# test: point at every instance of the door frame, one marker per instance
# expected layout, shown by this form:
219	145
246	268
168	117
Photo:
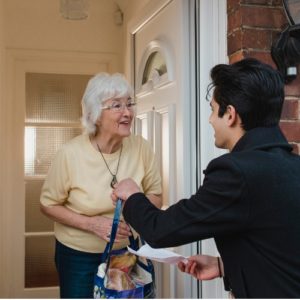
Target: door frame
211	50
18	63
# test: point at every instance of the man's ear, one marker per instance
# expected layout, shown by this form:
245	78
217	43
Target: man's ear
232	116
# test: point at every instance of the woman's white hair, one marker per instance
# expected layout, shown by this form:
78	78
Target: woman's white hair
100	88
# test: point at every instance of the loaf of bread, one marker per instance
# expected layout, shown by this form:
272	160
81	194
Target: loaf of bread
123	262
119	280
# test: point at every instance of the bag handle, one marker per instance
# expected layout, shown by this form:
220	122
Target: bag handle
108	249
114	228
115	223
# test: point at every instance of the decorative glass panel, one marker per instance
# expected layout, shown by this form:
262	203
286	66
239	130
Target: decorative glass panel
35	221
54	97
53	110
41	144
155	67
40	269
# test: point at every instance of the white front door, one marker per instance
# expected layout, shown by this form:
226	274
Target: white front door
161	81
173	49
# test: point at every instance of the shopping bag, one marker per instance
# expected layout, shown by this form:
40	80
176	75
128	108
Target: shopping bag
122	274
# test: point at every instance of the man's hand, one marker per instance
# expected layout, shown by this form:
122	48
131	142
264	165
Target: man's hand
124	189
202	267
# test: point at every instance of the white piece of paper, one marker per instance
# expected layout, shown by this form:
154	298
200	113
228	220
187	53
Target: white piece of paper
160	255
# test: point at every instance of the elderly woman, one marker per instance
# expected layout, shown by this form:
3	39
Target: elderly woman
76	192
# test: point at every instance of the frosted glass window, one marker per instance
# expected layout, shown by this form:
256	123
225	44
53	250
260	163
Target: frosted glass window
52	118
155	65
40	269
35	221
54	97
41	144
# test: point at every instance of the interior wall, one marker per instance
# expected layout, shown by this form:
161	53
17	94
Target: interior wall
37	24
132	9
2	130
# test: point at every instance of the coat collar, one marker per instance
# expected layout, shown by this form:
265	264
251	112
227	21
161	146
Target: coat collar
262	138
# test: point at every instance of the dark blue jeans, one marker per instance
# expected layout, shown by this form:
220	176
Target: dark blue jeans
76	270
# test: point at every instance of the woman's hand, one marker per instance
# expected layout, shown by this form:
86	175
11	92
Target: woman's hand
101	226
124	189
202	267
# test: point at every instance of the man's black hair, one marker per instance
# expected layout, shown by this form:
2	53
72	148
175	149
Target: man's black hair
255	89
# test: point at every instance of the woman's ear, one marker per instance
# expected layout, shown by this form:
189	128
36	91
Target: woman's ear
98	122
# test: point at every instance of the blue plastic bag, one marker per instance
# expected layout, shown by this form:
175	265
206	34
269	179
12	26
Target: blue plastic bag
122	274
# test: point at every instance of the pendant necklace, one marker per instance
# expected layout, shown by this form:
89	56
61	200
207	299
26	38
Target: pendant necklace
114	176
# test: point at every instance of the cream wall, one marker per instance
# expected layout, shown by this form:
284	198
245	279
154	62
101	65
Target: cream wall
2	142
37	24
132	8
35	27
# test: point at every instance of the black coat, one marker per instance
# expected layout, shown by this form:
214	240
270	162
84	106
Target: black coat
250	204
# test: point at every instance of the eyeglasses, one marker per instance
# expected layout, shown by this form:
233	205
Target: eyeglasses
120	107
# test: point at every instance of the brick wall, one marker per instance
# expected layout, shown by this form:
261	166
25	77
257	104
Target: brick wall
253	25
290	118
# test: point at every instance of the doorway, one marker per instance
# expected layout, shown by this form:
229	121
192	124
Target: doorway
172	52
45	114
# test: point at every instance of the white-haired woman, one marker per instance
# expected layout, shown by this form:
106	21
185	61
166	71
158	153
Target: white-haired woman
76	192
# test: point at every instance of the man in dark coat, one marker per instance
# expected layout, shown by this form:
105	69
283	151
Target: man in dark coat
249	201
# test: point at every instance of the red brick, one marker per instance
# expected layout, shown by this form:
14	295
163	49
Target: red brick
264	56
277	3
237	56
234	21
257	39
290	110
262	2
234	42
243	21
291	130
263	17
249	39
232	5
